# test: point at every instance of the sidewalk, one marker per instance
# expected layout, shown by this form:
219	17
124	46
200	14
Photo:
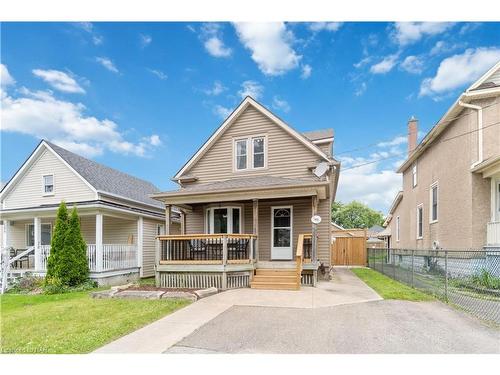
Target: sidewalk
158	336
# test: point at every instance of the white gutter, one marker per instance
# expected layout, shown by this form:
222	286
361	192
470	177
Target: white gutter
479	110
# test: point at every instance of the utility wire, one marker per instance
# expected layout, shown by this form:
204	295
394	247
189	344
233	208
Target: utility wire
441	141
390	139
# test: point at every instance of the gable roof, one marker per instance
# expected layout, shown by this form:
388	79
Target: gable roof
98	177
319	135
486	86
395	203
249	101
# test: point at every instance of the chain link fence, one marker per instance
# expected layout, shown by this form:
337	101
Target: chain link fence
467	279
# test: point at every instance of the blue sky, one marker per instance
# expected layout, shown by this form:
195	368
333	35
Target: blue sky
142	97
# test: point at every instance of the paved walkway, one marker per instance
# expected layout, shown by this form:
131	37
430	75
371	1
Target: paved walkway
159	336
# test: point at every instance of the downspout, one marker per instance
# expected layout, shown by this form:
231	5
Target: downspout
479	110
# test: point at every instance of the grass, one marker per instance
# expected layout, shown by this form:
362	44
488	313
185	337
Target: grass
389	288
72	322
147	281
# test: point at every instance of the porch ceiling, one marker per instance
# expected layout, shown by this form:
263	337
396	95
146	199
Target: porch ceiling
489	167
192	196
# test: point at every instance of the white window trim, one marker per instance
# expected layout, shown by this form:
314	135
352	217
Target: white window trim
26	231
414	174
209	215
431	206
421	205
398	228
53	185
249	143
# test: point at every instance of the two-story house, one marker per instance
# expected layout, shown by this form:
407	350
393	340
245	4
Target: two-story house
247	199
451	180
119	221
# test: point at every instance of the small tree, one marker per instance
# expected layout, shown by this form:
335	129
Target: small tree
73	266
57	243
355	215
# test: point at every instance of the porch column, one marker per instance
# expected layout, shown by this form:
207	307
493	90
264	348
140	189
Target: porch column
255	215
140	241
37	229
168	215
183	222
314	211
6	233
98	243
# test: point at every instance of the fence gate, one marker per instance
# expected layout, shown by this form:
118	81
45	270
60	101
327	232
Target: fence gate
349	251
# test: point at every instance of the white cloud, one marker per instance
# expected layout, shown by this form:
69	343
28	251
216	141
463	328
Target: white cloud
211	35
270	45
108	64
385	65
361	89
221	111
217	89
324	26
251	88
411	32
443	47
413	64
216	47
88	27
459	70
5	77
158	73
41	115
281	104
145	40
155	140
363	62
306	71
59	80
398	140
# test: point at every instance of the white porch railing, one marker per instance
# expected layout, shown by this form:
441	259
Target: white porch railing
114	257
493	233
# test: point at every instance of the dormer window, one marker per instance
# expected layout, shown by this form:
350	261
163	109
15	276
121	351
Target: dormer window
48	184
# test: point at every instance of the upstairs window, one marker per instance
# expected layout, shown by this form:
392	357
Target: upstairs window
397	228
258	145
420	221
434	202
414	175
241	154
48	184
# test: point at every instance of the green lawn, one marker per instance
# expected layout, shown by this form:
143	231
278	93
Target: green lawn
389	288
72	322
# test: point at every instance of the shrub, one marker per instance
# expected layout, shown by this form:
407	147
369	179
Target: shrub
26	284
54	285
57	242
486	280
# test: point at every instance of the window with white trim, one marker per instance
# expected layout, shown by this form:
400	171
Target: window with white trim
420	221
48	184
414	174
223	220
434	202
241	155
397	228
258	152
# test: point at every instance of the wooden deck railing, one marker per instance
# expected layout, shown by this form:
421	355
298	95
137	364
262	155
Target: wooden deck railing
206	248
299	256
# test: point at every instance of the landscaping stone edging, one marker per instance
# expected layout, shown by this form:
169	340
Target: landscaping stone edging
122	292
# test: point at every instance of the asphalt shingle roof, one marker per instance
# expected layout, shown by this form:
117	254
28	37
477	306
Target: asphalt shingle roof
109	180
315	135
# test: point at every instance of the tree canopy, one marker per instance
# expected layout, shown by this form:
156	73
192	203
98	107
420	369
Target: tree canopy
355	215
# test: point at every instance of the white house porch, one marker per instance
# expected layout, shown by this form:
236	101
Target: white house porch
114	242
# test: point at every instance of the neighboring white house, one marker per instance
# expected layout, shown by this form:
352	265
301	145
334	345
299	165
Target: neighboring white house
119	220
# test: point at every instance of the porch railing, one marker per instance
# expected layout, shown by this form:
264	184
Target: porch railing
493	233
206	248
114	257
307	246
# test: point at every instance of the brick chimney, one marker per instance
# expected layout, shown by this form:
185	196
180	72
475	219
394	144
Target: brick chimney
412	134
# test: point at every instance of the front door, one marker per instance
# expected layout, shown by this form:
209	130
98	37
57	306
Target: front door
281	233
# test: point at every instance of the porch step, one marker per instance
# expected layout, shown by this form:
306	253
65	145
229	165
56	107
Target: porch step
275	279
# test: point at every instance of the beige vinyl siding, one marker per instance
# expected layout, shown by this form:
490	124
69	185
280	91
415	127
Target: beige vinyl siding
148	246
28	190
326	148
217	163
87	225
119	231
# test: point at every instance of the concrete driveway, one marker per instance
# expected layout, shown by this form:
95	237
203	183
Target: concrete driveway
342	316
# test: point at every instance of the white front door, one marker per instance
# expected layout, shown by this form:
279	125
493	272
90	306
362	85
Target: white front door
281	233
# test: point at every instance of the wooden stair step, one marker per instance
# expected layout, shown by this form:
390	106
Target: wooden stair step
273	272
274	285
276	278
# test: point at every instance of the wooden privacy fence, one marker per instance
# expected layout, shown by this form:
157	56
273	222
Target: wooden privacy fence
348	251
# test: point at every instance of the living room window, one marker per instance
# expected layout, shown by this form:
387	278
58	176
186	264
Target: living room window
223	220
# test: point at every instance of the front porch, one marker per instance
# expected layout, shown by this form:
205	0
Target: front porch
113	243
